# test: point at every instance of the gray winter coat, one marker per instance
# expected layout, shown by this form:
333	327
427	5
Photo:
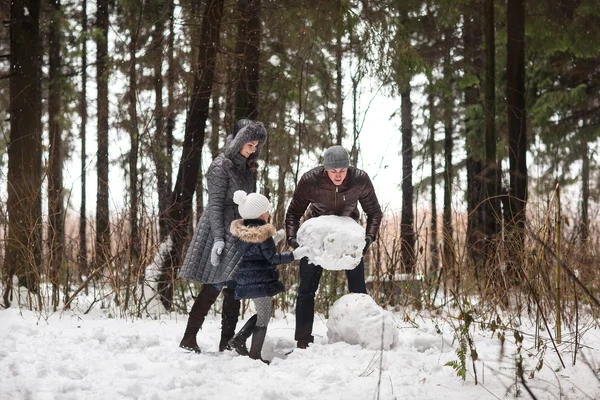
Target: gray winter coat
228	172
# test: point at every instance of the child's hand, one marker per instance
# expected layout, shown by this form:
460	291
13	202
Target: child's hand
279	235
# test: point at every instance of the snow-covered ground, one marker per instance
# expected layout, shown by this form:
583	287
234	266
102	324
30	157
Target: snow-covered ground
67	356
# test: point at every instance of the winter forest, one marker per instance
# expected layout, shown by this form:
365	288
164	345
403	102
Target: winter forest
487	256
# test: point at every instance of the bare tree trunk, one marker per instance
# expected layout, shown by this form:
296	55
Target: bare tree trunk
407	234
171	75
23	247
585	189
339	105
134	134
83	260
248	49
491	210
472	39
433	245
187	176
448	229
103	250
159	148
56	229
517	129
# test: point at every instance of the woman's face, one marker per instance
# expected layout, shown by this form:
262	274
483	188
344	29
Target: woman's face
249	148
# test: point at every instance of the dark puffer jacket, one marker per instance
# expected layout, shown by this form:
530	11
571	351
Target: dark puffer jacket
227	173
317	195
258	275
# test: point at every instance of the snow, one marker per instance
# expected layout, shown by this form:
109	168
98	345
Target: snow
356	319
92	356
335	243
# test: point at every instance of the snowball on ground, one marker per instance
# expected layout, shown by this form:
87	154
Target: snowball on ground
335	243
356	319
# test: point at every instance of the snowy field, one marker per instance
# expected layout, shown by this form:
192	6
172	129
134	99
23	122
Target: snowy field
66	356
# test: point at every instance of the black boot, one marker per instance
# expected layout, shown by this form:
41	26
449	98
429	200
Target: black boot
229	318
258	339
238	343
206	298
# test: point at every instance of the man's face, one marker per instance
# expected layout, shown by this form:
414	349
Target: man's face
337	176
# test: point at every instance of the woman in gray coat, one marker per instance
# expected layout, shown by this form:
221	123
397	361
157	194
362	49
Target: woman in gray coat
212	257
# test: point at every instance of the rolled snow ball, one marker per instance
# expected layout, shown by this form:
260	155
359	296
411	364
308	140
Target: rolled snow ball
356	319
335	243
239	197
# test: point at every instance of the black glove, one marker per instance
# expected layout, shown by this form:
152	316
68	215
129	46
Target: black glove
368	241
293	243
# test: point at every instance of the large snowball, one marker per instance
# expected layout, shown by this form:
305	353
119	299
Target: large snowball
335	243
356	319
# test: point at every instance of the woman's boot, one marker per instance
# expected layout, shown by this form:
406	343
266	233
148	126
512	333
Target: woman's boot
238	342
206	298
258	339
229	318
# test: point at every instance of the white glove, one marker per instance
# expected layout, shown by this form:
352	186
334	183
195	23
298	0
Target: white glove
280	234
215	253
301	252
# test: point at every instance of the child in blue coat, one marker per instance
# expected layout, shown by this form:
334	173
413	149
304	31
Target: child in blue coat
258	277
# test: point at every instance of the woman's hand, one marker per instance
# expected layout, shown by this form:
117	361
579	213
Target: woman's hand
215	253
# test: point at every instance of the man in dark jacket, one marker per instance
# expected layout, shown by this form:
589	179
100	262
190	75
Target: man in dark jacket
334	188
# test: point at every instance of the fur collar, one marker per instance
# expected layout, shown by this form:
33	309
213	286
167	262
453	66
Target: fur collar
252	234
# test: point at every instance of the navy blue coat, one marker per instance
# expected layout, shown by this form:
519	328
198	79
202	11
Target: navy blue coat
257	274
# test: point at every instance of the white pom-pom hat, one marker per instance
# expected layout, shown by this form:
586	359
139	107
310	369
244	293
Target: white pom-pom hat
251	206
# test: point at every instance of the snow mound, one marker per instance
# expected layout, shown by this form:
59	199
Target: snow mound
335	243
356	319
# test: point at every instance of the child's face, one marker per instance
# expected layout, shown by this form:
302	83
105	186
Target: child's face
265	216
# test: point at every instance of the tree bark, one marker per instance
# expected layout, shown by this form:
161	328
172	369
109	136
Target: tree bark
159	148
23	246
83	257
517	127
585	189
181	206
490	207
56	229
407	235
103	250
472	39
433	245
339	104
248	51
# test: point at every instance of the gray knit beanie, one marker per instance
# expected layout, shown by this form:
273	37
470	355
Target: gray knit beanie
336	157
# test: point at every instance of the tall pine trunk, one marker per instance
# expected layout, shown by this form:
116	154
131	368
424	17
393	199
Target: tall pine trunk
159	148
83	257
339	104
433	245
181	206
517	129
585	189
407	235
103	250
248	51
491	210
472	40
23	246
56	229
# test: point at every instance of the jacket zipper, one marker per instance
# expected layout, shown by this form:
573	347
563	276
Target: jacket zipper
335	200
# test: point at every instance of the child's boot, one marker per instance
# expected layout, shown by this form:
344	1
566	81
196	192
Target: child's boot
238	343
258	339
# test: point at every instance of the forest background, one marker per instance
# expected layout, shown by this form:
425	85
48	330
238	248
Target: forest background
497	104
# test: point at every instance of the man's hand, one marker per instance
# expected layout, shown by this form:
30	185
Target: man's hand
368	242
293	243
215	253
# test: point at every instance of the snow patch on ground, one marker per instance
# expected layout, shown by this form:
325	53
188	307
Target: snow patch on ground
335	243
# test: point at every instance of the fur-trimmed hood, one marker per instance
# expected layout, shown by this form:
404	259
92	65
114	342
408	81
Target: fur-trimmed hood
250	132
252	234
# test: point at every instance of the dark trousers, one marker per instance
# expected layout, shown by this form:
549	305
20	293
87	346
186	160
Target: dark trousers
310	275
